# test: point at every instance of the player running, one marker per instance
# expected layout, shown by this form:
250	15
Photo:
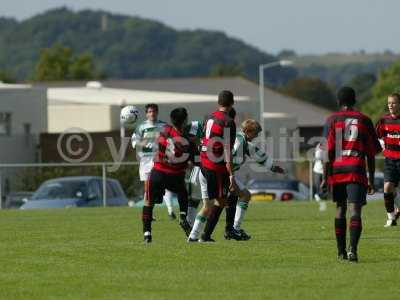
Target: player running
351	138
170	164
216	164
388	129
236	210
143	140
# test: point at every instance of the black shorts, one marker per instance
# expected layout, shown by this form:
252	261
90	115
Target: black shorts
160	181
391	170
217	183
351	192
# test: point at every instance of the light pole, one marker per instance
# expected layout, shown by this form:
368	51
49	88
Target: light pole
261	68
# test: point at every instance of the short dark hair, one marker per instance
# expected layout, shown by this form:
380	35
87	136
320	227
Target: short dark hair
225	98
151	105
232	113
346	96
395	95
178	116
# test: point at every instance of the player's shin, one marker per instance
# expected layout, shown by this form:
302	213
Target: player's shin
212	221
340	232
389	205
147	217
241	209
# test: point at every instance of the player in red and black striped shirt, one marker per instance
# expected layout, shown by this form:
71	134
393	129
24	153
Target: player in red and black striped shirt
216	175
351	139
170	163
388	129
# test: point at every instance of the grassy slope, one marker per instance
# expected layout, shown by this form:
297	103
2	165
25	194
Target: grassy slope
97	254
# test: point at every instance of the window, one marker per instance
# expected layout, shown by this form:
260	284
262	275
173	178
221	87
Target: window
5	123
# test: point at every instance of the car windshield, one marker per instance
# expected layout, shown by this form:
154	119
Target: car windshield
61	190
274	185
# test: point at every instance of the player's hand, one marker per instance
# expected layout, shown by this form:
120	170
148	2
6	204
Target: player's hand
323	186
370	189
232	184
277	169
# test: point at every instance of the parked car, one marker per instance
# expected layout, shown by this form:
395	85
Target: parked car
76	191
277	189
17	199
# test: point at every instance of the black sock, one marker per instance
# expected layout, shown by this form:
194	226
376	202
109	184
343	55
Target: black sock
183	202
147	217
230	212
389	202
355	228
212	221
340	231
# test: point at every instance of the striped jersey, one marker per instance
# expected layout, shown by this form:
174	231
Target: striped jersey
388	129
144	137
217	142
243	149
350	138
174	151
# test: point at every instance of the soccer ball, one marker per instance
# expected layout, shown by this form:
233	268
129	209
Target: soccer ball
129	115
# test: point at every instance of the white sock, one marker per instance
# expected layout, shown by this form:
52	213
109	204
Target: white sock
198	227
241	209
168	201
391	216
191	215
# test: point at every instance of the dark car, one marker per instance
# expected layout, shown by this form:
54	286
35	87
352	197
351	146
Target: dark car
17	199
77	191
277	189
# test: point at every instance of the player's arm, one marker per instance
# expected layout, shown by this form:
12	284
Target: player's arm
136	137
261	157
371	174
229	140
374	147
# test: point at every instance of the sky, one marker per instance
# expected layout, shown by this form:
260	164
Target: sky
306	26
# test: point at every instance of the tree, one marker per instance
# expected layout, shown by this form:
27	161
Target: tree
387	83
312	90
54	64
59	63
221	70
286	53
7	77
362	84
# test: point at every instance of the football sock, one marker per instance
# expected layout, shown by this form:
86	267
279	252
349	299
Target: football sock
230	212
241	209
355	228
340	231
191	215
183	204
389	205
213	220
147	217
168	201
198	227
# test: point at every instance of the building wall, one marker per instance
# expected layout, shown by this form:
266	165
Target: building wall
28	110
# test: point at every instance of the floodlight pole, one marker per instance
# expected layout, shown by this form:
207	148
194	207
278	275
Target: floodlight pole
261	68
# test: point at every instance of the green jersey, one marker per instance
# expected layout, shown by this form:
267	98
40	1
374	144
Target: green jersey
195	129
243	149
145	137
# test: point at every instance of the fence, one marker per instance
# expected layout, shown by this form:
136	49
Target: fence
22	178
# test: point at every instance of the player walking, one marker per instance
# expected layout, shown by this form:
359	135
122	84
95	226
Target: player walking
388	129
351	138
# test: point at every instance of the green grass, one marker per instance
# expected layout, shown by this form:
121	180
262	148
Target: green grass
98	254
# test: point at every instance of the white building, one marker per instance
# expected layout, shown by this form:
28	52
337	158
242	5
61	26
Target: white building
23	117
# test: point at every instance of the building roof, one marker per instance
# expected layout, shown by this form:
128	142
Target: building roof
13	86
306	113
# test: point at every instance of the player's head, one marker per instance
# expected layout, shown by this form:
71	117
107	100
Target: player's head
251	128
225	99
346	96
179	117
394	103
232	113
151	111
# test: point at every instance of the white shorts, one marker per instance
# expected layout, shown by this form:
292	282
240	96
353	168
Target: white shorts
203	185
145	166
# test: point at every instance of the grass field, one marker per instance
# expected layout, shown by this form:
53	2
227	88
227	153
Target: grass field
98	253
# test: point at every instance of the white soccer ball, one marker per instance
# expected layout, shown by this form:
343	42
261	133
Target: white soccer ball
129	115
